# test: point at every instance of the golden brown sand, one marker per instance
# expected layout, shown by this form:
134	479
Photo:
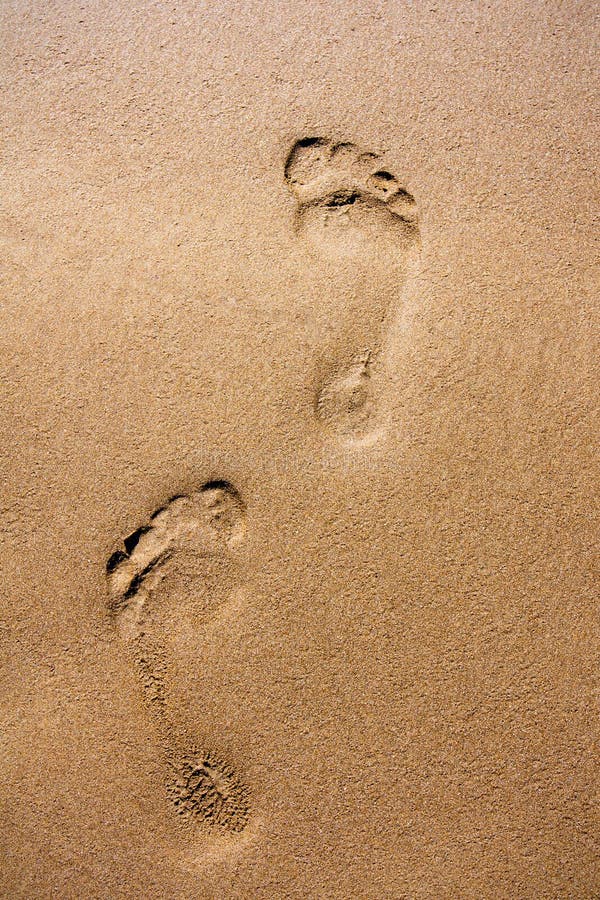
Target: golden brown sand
299	381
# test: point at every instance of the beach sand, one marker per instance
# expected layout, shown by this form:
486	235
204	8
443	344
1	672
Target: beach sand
299	392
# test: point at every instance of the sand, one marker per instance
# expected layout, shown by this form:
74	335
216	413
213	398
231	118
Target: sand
299	394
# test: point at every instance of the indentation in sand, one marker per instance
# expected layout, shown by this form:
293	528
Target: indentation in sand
209	521
207	789
352	210
347	204
186	542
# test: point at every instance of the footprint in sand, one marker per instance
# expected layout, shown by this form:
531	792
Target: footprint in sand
170	577
358	219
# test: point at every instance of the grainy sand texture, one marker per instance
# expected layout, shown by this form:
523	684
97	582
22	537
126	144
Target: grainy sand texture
299	374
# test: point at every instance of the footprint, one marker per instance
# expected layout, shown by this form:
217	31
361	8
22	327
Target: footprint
347	203
362	223
204	788
347	400
168	579
207	523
